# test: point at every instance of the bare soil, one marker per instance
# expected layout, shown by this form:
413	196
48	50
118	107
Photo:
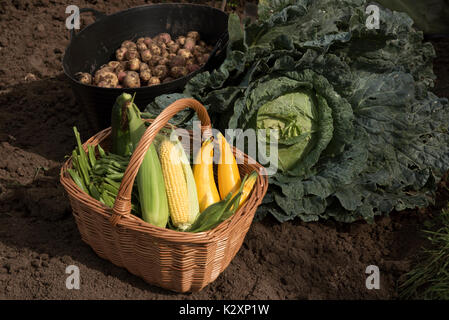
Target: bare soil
39	237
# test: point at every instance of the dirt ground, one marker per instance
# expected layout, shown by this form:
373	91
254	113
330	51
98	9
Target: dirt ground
39	237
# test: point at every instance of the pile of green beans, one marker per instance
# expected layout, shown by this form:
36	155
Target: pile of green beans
99	177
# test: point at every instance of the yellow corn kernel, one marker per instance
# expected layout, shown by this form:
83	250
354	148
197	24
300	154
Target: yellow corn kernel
175	184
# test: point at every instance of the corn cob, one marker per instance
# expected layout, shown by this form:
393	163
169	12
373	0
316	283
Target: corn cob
180	155
194	206
175	184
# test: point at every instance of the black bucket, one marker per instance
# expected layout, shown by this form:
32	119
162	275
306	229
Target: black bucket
95	45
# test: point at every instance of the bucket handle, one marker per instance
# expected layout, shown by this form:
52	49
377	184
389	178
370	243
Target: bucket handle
221	44
97	14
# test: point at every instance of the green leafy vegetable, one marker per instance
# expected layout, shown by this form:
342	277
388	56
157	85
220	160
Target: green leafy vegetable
360	134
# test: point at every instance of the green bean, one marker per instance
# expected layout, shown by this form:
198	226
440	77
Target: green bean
81	167
108	187
115	176
101	151
106	171
83	157
112	163
77	179
101	200
108	200
117	157
99	171
94	191
75	163
113	183
91	150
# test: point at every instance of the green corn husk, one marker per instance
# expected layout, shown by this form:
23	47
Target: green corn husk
150	182
120	135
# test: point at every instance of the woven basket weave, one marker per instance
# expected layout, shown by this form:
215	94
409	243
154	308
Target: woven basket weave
178	261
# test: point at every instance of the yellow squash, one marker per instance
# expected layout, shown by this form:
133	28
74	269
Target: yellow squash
203	173
248	186
228	171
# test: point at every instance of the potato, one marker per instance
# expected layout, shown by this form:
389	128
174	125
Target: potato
194	35
189	44
141	47
192	67
178	72
160	71
173	48
203	59
181	40
164	61
177	61
113	64
162	45
132	53
145	75
154	81
154	49
164	53
190	62
84	77
168	79
148	41
186	54
105	84
134	64
146	55
171	56
99	73
155	60
144	66
140	40
106	79
121	75
202	44
120	54
121	67
198	50
128	44
131	80
164	37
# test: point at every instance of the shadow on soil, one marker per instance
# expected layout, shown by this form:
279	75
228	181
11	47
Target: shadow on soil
35	135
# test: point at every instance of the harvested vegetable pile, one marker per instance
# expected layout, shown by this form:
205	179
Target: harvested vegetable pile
151	61
169	193
360	133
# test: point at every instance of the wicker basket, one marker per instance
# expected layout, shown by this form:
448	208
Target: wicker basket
178	261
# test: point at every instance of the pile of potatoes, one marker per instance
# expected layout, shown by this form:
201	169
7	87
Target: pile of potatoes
151	61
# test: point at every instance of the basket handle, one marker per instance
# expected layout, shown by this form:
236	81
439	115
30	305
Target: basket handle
122	204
